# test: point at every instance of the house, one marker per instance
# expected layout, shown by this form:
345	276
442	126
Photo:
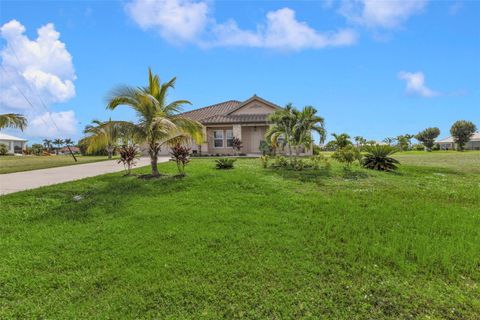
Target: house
14	144
65	150
449	144
246	120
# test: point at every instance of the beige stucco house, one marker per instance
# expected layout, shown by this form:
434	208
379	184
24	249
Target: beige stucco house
246	120
449	144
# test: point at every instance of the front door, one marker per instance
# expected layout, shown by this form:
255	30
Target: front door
257	134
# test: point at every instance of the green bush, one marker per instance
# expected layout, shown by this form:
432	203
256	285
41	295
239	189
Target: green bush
224	163
347	155
378	158
3	149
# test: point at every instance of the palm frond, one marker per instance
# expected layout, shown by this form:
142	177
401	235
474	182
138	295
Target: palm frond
13	120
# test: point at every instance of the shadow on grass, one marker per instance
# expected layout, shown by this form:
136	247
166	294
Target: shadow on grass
308	175
107	195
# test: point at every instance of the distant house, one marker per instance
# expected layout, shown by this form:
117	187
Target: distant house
64	150
449	144
14	144
246	120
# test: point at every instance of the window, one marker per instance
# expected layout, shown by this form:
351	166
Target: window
229	135
218	138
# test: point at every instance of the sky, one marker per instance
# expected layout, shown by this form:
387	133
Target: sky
371	68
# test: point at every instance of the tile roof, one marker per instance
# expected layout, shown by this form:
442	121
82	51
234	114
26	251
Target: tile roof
237	118
218	109
221	113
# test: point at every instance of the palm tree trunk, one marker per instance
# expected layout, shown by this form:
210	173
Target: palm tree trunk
153	151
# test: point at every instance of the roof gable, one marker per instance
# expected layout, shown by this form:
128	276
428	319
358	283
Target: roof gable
255	105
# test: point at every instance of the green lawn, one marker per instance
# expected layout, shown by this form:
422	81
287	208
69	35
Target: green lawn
9	164
249	243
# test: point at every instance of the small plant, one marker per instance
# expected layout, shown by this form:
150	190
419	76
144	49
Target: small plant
347	155
281	162
264	160
378	158
224	163
37	149
267	148
128	156
319	161
3	149
236	145
180	154
299	164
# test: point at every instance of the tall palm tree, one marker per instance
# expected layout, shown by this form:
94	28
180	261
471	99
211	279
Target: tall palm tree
341	140
58	143
13	120
104	135
47	143
159	123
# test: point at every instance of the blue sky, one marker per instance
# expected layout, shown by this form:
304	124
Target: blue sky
371	68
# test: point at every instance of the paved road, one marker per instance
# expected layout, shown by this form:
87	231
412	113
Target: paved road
20	181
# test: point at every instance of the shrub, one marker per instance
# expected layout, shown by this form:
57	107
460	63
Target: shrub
378	158
347	155
37	149
3	149
318	161
419	147
224	163
267	148
280	162
264	160
180	154
128	155
236	145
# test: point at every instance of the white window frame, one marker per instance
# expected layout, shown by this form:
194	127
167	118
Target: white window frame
218	139
229	138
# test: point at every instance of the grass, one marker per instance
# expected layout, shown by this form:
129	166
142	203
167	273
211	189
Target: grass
248	243
9	164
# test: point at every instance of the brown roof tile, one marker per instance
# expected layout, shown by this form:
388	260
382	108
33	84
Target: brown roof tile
213	110
238	118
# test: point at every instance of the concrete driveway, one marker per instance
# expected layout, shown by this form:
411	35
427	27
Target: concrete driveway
20	181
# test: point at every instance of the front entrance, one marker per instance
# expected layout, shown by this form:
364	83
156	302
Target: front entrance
251	138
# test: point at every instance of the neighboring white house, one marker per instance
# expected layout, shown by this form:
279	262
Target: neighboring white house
449	144
14	144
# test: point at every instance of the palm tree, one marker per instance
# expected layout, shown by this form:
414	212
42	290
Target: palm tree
281	132
308	121
360	141
58	143
47	143
341	140
68	142
389	140
159	123
13	120
104	135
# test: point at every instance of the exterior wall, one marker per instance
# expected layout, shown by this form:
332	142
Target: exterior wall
211	149
255	107
471	145
11	144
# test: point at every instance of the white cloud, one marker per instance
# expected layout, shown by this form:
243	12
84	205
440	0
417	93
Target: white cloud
179	20
381	13
281	31
42	125
41	69
415	84
188	21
